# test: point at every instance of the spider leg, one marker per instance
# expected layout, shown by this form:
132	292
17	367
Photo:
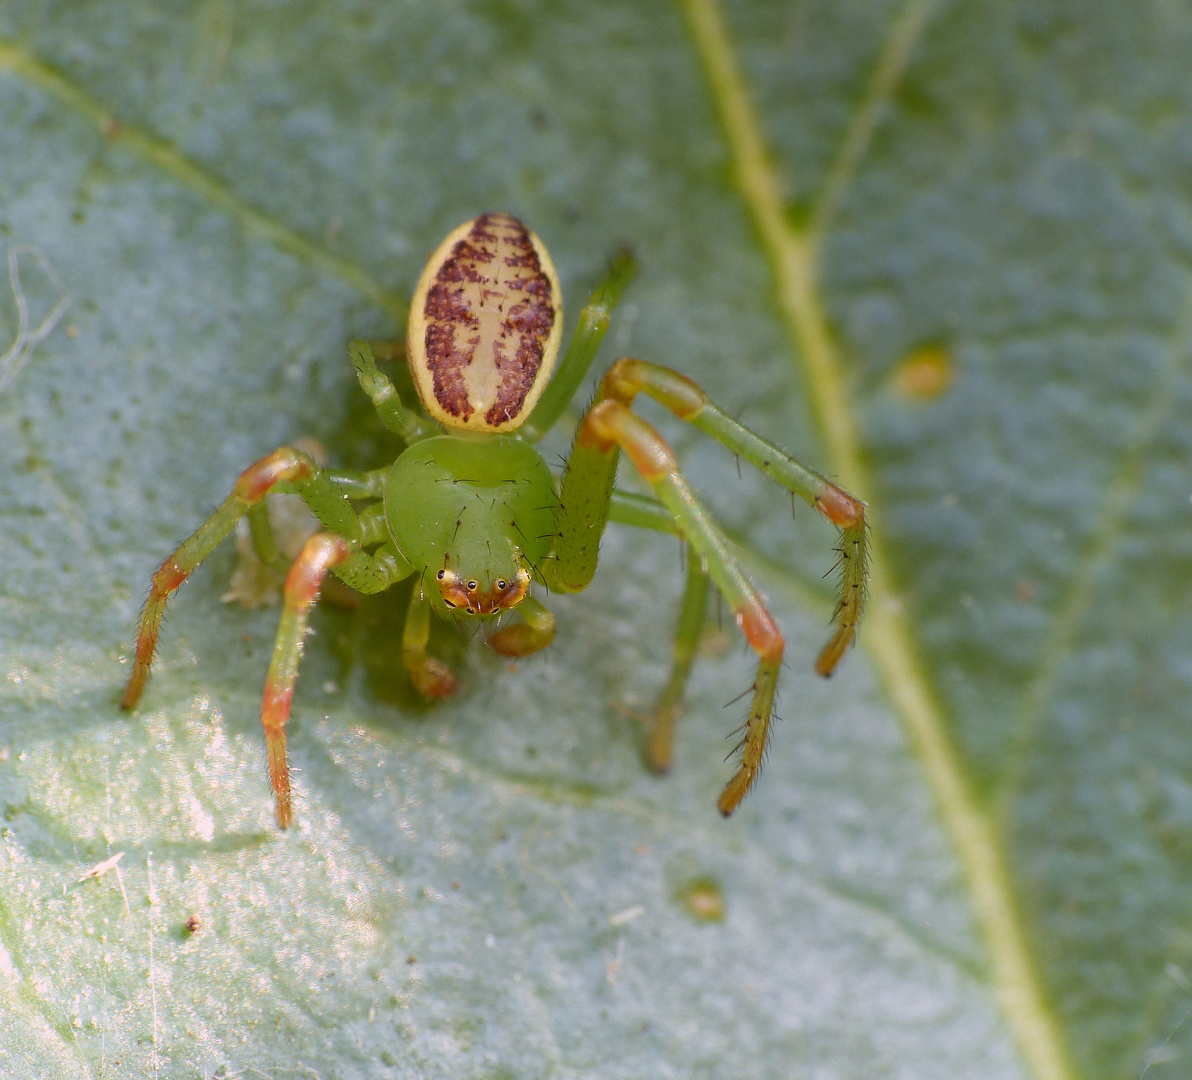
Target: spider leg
285	469
611	425
644	512
430	676
668	708
403	422
627	377
535	632
322	553
319	555
391	350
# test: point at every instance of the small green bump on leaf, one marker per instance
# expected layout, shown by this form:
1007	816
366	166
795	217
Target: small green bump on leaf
703	900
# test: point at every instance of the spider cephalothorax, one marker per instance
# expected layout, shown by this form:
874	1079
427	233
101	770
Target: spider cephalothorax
472	510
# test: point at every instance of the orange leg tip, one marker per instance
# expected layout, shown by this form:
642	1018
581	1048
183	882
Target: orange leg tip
761	631
133	692
839	507
433	679
519	640
731	797
279	776
833	652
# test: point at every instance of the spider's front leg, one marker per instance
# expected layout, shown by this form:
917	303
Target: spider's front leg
319	555
431	677
322	553
284	468
688	401
588	494
338	548
612	425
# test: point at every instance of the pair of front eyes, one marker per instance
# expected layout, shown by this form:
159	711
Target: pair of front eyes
472	586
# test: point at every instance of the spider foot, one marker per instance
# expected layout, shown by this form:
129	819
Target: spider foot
431	678
660	746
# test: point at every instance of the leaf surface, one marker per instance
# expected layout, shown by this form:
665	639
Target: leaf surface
495	887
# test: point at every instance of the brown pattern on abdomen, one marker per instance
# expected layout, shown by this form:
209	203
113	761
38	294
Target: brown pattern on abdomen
488	318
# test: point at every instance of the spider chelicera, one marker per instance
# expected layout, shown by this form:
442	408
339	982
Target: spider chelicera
471	509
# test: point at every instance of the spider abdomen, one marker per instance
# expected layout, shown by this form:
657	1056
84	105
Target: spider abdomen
485	324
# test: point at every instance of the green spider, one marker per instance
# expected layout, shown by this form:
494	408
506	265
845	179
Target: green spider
471	509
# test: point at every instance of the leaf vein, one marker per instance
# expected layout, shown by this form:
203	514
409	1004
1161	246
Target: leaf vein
905	32
161	153
888	637
1095	560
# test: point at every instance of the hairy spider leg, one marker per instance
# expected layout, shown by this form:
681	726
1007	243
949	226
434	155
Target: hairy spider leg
285	469
322	553
688	401
611	425
534	633
361	570
319	554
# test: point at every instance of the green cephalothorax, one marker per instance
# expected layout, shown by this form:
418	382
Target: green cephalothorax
471	508
475	516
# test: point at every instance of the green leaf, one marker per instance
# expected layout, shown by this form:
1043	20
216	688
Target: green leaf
938	251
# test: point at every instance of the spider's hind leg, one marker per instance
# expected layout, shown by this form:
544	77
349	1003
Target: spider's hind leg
669	707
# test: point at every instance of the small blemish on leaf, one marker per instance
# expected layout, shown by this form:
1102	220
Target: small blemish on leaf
925	374
703	900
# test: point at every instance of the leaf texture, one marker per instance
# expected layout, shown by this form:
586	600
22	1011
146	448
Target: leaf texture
937	250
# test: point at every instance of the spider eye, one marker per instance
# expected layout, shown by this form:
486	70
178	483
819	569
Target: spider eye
448	602
471	586
441	574
501	584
